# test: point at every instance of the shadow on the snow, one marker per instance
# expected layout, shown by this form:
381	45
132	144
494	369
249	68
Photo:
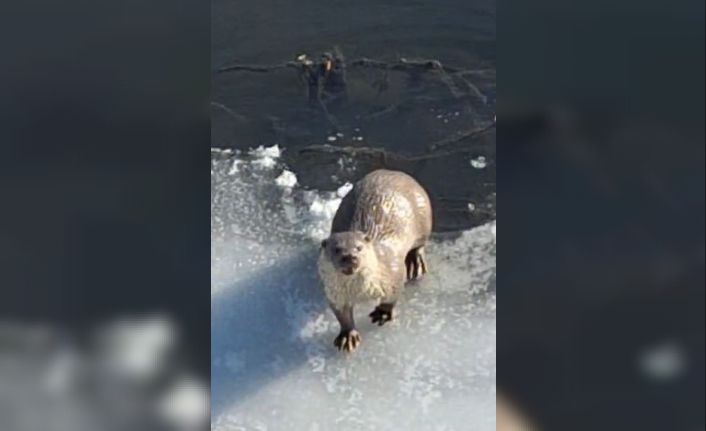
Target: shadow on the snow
256	324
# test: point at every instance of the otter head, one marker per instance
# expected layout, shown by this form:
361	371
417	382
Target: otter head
348	251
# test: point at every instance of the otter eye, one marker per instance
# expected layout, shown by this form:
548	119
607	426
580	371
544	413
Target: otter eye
338	250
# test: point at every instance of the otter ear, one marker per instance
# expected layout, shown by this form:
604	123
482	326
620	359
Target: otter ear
367	238
324	243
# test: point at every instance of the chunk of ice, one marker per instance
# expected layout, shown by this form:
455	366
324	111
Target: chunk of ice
286	179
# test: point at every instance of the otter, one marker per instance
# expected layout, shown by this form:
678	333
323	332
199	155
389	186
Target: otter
376	244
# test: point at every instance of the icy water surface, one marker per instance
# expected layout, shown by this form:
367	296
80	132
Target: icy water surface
399	113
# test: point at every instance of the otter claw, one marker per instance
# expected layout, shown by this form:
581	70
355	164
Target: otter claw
347	341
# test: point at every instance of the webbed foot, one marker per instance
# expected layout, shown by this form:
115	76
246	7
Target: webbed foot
382	314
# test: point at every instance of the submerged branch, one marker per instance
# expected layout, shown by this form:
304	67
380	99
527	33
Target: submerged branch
473	89
350	151
232	113
326	82
379	153
401	65
257	68
447	74
405	65
461	136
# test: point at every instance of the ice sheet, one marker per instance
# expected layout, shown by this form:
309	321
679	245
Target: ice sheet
274	365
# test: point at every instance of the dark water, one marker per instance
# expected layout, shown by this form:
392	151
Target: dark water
405	120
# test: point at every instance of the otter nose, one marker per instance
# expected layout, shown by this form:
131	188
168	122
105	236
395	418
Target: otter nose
350	260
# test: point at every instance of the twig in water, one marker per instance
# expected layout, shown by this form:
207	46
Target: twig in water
230	112
379	153
318	69
461	136
257	68
473	89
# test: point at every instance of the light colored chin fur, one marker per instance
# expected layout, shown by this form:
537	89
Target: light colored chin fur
365	284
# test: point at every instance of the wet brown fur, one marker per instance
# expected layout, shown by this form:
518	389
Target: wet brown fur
382	226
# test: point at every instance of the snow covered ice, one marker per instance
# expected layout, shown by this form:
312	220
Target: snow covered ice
274	365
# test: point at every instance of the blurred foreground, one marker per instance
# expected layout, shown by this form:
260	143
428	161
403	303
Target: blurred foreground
123	375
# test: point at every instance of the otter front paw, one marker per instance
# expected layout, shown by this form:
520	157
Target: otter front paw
381	315
347	340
